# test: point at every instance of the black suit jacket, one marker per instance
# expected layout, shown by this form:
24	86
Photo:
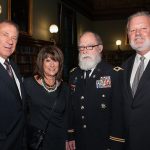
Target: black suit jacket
137	109
11	111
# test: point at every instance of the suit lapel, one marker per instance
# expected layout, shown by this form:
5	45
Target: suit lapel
145	77
128	75
9	82
20	81
99	70
5	77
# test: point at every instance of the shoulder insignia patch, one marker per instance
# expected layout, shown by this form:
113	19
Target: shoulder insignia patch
117	68
72	70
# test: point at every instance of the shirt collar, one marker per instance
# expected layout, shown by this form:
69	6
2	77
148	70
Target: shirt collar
147	56
2	60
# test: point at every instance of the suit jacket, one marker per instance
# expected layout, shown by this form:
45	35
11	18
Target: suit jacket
91	107
137	109
11	111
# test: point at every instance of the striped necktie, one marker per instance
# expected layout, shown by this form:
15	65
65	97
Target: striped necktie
138	75
8	68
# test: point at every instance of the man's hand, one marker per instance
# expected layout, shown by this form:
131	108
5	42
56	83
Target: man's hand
70	145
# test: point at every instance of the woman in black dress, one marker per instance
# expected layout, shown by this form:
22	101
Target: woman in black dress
48	99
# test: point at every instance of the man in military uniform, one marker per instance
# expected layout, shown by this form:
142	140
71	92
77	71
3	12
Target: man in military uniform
91	96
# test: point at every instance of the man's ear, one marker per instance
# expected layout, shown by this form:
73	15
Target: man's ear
100	48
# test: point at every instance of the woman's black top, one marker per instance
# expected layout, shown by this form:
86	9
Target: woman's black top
40	103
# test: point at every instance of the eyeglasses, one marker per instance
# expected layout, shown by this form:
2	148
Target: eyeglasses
90	47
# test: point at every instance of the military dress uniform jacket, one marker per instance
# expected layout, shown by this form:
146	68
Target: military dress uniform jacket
11	111
117	135
91	107
137	109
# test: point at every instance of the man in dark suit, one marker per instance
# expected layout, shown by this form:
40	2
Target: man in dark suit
11	91
136	84
91	96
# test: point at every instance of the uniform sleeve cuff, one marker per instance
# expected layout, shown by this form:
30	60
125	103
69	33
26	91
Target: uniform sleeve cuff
117	139
70	135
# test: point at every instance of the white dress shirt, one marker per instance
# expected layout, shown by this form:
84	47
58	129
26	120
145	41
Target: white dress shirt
136	64
2	60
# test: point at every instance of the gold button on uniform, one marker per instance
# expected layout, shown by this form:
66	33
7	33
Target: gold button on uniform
82	107
103	106
103	95
82	97
83	117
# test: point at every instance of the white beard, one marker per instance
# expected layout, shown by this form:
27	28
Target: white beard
87	62
145	45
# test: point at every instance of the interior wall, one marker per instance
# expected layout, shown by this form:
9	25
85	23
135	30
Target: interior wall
45	13
110	31
83	24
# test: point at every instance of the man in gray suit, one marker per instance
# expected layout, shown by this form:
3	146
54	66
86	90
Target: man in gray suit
11	91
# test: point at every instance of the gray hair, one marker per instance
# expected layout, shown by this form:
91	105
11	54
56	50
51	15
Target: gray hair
140	13
97	37
11	23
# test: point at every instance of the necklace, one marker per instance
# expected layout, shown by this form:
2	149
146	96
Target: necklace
49	88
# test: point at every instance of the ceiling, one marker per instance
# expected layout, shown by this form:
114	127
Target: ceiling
108	9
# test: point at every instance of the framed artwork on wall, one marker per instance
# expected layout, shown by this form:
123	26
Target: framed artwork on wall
20	13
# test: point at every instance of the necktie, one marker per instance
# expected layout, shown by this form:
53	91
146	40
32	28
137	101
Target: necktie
8	68
87	74
138	75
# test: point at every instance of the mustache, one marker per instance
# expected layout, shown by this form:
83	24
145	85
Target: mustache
138	37
85	56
